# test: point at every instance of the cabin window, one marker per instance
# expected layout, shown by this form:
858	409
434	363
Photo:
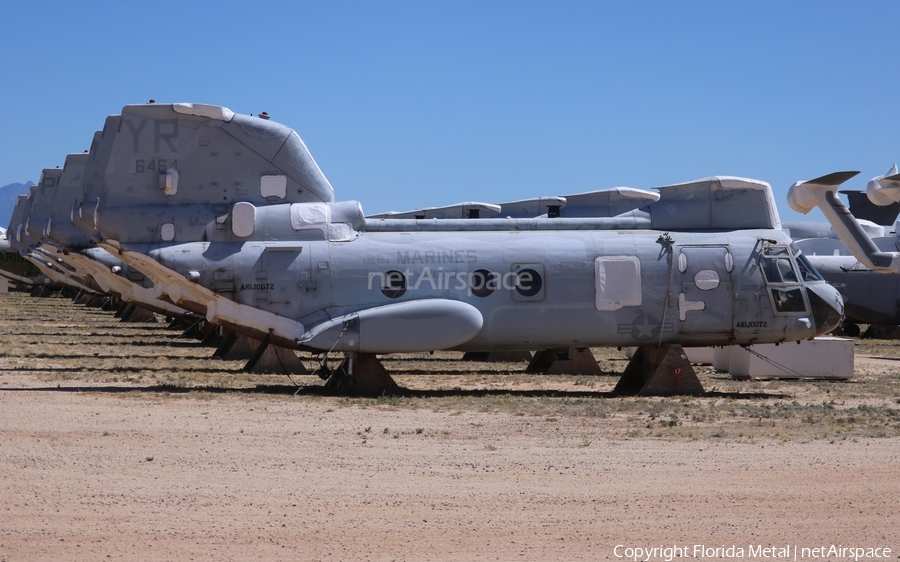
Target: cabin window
393	284
618	282
482	282
526	281
706	280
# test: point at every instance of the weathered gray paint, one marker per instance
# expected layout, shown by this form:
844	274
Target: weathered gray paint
307	272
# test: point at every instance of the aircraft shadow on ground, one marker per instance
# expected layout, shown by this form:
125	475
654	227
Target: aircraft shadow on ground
153	331
103	340
117	370
321	390
883	358
489	372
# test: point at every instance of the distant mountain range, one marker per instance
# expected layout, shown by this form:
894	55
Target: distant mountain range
8	194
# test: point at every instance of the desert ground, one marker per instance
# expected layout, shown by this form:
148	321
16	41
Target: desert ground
125	441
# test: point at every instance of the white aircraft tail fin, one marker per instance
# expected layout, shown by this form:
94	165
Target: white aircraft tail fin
822	193
885	190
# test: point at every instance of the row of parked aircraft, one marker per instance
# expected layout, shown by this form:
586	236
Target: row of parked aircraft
194	211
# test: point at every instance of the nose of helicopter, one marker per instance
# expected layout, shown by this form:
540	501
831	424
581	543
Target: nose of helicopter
827	307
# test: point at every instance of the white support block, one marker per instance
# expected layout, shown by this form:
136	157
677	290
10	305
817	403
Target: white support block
701	355
820	358
721	359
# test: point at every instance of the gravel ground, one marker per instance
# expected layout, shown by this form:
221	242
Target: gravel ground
108	451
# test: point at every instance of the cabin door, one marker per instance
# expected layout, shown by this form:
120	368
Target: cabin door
283	272
704	303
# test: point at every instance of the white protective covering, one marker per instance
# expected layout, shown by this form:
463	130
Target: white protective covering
273	186
455	211
167	232
619	192
339	232
634	193
204	110
727	207
170	181
243	219
618	282
304	215
318	216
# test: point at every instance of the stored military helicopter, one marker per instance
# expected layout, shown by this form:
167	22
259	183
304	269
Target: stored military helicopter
14	267
49	226
706	264
50	220
28	248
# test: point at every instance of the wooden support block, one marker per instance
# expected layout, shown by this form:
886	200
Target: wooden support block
564	361
659	371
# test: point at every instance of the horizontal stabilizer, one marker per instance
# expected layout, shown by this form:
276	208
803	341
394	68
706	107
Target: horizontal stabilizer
833	179
804	195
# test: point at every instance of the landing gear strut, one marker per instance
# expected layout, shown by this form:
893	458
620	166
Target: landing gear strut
849	329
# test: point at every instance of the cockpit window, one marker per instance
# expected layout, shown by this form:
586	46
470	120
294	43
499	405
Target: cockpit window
777	266
780	269
770	270
808	272
786	270
788	300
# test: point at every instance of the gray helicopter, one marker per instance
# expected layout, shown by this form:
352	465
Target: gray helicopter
229	216
17	271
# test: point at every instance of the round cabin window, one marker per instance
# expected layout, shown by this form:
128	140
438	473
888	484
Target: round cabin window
706	280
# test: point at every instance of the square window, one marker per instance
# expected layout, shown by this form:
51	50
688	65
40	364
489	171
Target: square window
618	282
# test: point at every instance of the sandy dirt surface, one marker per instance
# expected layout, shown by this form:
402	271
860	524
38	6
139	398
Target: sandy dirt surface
109	451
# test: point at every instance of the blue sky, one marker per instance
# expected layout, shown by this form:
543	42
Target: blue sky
425	103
